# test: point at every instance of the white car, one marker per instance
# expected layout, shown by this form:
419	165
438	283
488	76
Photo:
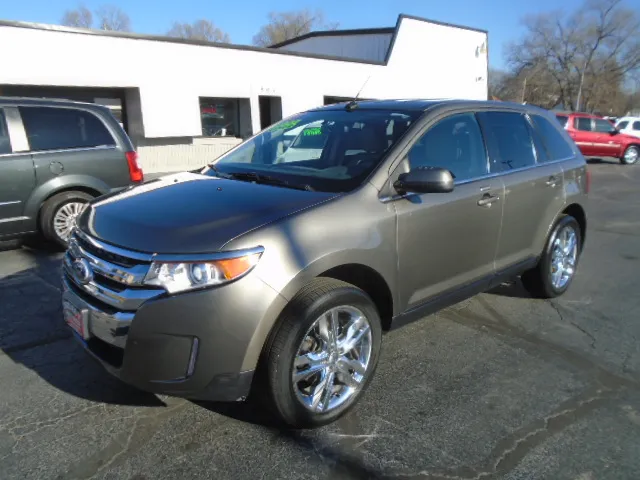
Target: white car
629	126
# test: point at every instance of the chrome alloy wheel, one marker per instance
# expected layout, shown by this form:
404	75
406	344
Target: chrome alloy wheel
563	257
631	155
65	218
332	359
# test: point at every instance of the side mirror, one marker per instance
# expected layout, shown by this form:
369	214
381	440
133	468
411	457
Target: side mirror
425	180
614	131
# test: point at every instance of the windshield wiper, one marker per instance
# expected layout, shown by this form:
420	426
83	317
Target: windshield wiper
265	179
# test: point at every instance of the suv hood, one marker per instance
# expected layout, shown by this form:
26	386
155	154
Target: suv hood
189	213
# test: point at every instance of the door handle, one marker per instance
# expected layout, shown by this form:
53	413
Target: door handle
487	200
552	182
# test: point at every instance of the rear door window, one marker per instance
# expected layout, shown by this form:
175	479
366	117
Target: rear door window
582	123
63	128
5	142
636	126
510	143
555	144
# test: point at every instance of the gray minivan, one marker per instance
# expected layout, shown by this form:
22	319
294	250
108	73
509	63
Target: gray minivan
278	278
55	156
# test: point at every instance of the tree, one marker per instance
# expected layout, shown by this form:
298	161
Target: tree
284	26
112	18
582	57
109	18
80	17
199	30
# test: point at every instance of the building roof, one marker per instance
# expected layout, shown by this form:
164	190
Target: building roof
271	50
336	33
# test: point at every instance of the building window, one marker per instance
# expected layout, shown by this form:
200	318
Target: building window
220	117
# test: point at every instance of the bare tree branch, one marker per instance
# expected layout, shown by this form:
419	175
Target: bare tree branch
80	17
112	18
199	30
284	26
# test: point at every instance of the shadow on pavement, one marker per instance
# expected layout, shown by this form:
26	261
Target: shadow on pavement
513	289
33	334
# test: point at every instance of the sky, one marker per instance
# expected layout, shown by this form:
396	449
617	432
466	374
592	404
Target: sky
243	18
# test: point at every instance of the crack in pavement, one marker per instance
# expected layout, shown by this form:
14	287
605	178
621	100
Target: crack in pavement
556	308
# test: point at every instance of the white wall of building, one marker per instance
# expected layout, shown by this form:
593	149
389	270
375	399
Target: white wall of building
427	61
372	47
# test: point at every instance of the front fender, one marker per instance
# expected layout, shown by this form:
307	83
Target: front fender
59	184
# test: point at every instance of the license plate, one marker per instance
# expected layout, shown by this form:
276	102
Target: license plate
76	319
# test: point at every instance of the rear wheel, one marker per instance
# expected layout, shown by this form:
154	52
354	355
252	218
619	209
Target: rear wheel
631	155
59	213
557	265
323	354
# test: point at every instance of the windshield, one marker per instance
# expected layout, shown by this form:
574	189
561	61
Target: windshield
327	150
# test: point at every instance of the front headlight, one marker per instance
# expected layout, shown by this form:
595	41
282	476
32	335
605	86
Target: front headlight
187	275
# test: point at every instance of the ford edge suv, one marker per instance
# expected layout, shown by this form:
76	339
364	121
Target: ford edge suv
278	278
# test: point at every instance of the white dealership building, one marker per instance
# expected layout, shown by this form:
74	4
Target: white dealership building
184	102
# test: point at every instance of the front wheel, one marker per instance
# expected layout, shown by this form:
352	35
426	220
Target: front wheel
631	155
59	213
323	354
558	262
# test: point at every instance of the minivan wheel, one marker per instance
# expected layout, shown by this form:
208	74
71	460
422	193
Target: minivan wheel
559	261
323	353
631	155
59	213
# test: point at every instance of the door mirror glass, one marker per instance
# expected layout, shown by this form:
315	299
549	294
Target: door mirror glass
425	180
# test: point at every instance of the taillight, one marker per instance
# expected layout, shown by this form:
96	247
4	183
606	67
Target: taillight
588	183
135	172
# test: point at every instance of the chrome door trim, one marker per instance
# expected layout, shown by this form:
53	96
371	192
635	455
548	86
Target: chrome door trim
17	133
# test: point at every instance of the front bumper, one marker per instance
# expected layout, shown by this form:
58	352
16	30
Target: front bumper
193	345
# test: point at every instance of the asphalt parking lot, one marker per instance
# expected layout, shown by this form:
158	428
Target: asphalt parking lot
499	386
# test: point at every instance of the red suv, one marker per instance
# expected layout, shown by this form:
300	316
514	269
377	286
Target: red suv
597	137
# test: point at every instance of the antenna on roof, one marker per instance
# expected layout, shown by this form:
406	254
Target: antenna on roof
352	104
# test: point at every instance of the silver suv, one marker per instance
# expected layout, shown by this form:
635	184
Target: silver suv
278	278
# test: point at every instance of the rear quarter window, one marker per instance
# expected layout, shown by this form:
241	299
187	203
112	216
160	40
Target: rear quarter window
50	128
636	126
556	145
562	119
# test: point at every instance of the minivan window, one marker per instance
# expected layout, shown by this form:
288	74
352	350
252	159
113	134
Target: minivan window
510	143
636	126
5	142
603	126
454	143
63	128
556	146
583	123
326	150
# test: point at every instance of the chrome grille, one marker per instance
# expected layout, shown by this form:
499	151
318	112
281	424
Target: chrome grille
115	277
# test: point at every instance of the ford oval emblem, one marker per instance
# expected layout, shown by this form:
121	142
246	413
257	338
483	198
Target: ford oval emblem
82	271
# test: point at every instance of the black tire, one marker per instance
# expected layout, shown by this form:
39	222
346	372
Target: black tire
537	281
630	148
318	297
51	207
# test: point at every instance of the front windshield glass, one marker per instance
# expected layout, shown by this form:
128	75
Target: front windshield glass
326	150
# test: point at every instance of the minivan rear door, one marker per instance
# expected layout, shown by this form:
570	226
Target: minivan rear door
16	173
74	143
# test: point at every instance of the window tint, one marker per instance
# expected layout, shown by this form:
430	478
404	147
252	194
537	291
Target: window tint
5	143
603	125
61	128
562	119
636	125
510	142
582	123
454	143
623	125
556	146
